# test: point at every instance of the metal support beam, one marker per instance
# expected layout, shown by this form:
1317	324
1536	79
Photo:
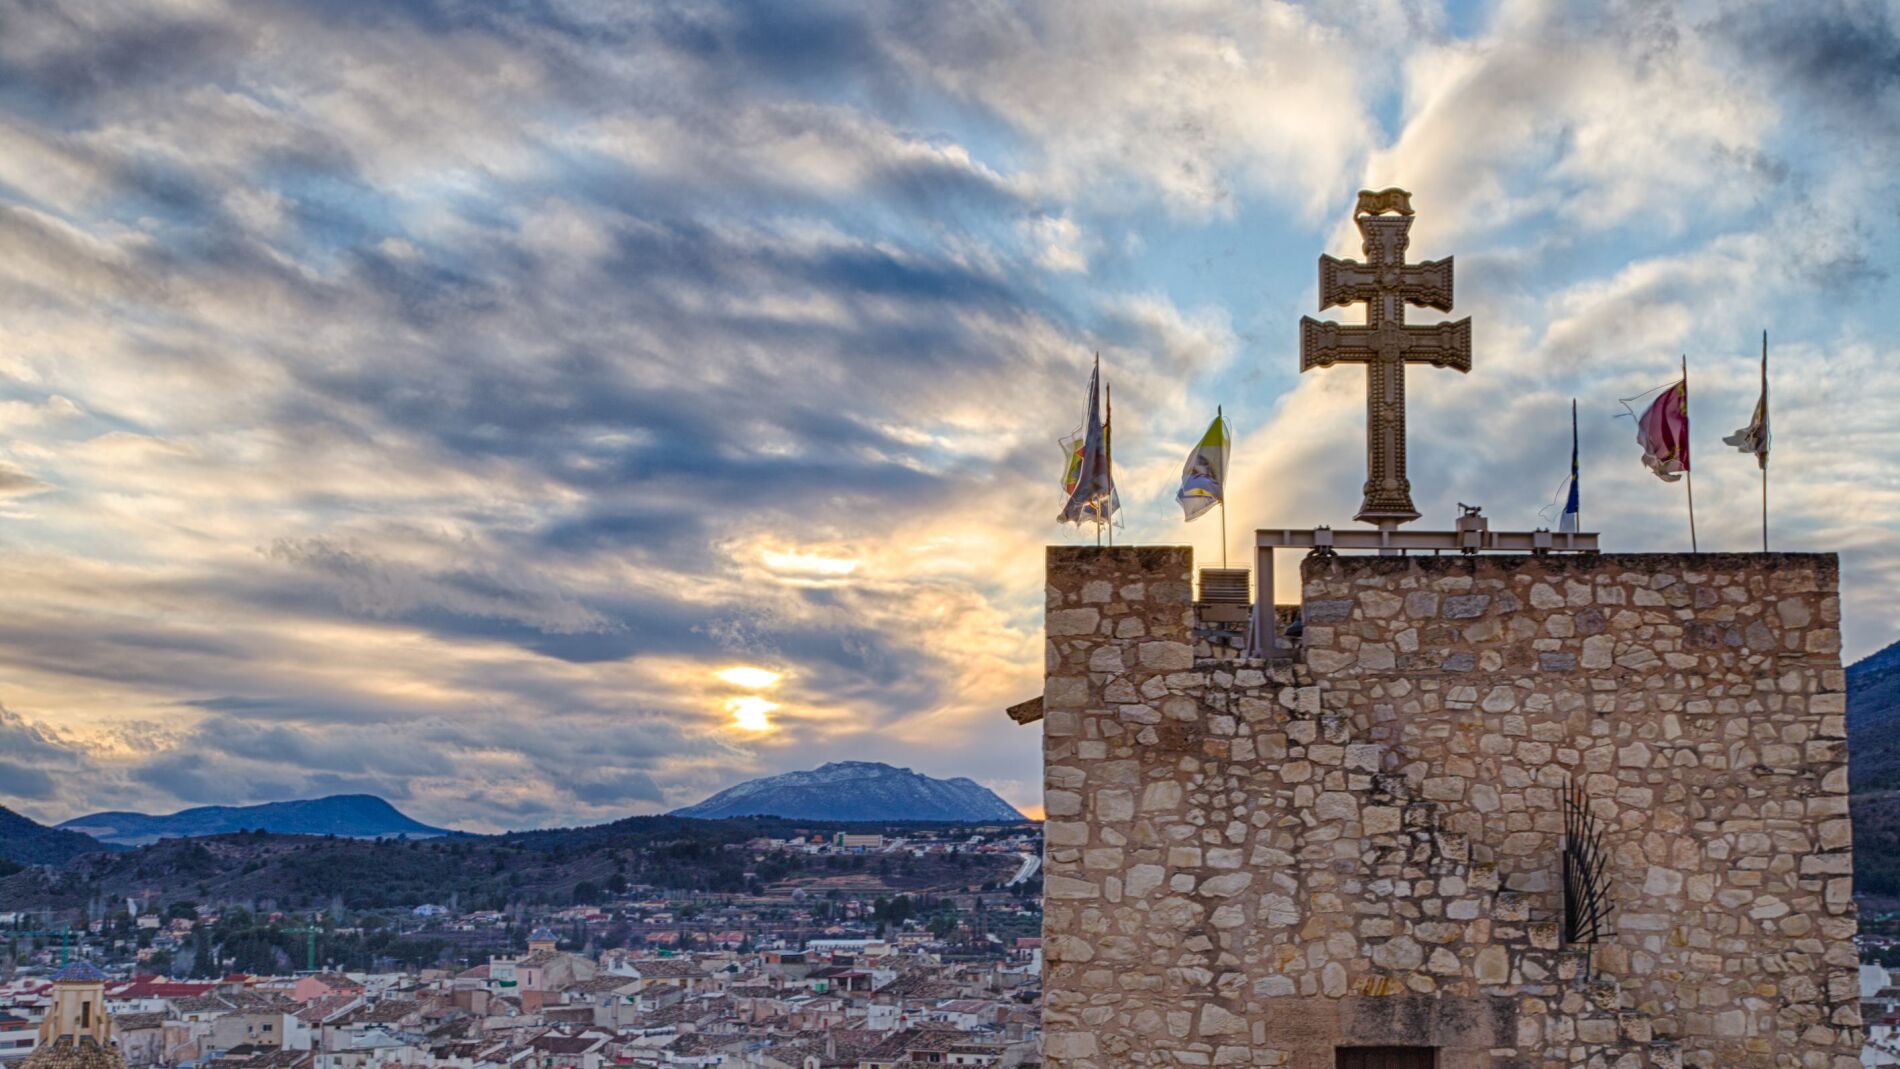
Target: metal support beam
1435	541
1265	641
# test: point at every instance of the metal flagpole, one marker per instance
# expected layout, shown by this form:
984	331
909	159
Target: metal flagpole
1108	460
1688	470
1222	421
1763	456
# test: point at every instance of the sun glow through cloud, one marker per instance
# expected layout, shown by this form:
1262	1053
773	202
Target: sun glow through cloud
808	566
749	677
752	713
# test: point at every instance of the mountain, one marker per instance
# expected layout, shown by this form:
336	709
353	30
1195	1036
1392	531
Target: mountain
856	790
1873	753
353	816
1873	721
28	842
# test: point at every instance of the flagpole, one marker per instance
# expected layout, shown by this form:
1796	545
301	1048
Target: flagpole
1763	456
1573	462
1687	469
1108	457
1221	420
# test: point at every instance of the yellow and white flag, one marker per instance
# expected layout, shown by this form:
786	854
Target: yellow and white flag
1205	472
1754	438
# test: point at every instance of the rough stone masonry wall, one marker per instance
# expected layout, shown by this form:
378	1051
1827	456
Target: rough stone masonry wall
1251	865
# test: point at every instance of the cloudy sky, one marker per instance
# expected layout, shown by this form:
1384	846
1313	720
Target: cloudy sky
546	411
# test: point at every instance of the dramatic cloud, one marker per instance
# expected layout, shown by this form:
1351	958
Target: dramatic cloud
538	414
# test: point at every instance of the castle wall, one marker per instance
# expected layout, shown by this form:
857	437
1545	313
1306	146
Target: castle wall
1252	865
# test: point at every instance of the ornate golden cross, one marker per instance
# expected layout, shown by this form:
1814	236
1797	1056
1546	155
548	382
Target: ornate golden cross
1386	283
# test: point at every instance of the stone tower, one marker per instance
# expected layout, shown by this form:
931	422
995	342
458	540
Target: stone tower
1351	853
76	1032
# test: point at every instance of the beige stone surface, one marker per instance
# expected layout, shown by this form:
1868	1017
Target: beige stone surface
1251	864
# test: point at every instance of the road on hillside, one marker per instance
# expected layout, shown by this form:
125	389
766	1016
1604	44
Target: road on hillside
1031	863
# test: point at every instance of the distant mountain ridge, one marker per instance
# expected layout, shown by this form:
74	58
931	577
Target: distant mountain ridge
1880	660
856	790
1873	773
26	841
354	816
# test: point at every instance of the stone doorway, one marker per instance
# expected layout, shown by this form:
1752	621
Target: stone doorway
1387	1058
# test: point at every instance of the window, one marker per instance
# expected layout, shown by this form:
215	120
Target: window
1387	1058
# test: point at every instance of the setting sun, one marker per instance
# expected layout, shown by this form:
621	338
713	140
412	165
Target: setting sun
750	713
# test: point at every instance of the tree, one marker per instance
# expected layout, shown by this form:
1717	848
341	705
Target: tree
204	962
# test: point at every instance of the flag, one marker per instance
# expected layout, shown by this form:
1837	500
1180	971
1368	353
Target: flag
1087	478
1072	451
1573	506
1663	432
1205	471
1754	437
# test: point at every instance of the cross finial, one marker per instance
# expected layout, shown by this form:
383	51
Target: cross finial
1385	283
1392	199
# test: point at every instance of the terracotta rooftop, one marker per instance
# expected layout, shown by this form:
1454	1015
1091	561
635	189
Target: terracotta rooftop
69	1052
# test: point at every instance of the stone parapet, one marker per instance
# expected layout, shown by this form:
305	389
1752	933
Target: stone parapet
1251	864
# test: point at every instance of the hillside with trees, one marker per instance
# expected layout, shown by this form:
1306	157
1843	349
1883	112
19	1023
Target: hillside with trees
550	867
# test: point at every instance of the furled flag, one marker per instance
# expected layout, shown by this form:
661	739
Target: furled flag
1754	437
1663	432
1205	471
1087	478
1573	505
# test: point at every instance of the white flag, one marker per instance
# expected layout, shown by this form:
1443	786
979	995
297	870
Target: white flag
1205	473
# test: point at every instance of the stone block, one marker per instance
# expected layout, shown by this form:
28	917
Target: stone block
1073	621
1167	656
1466	606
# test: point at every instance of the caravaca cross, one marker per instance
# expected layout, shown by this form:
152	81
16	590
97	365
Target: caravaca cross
1385	283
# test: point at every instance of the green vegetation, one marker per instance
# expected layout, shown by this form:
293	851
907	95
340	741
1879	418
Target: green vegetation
554	867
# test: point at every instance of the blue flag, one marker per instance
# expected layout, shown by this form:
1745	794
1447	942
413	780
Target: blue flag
1573	505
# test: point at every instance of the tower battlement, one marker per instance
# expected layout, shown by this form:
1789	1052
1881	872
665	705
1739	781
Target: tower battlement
1361	846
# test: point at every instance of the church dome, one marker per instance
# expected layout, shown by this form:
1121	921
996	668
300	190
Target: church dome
79	972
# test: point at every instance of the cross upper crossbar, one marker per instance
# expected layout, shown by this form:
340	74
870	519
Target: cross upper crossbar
1385	284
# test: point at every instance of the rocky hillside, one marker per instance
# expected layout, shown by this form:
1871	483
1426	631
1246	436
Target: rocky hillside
555	866
1873	749
857	790
27	842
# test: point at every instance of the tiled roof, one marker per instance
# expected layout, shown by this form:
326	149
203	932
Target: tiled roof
152	987
318	1010
558	1044
69	1052
668	969
80	972
604	982
388	1011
